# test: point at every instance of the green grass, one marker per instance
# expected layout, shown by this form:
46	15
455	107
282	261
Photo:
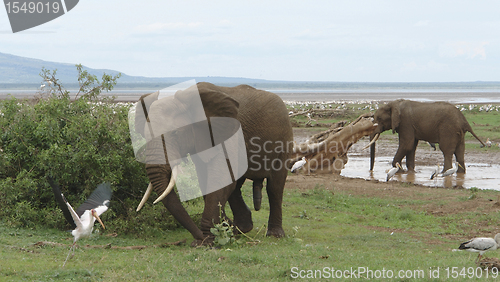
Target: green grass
324	227
487	125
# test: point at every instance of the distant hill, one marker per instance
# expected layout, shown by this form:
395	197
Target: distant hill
16	70
23	73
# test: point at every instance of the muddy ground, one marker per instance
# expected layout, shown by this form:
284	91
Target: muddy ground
387	146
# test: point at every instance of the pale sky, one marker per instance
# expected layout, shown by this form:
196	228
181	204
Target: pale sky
373	41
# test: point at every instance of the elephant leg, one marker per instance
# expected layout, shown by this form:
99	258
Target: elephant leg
448	159
241	213
398	158
410	157
214	209
459	155
274	188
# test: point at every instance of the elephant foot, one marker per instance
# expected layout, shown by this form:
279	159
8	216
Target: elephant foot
208	241
276	231
243	227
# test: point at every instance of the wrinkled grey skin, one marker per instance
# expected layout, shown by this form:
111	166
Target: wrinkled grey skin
437	122
261	114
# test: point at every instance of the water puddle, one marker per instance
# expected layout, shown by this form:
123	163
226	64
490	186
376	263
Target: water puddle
480	175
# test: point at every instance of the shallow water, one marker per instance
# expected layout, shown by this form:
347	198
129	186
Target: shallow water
480	175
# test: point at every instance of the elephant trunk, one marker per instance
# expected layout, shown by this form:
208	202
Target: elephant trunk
372	150
160	175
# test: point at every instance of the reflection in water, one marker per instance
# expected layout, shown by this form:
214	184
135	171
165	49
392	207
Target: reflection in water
483	176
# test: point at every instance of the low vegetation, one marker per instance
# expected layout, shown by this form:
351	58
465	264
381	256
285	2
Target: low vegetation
79	141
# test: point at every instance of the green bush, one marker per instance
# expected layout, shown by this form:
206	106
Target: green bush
80	142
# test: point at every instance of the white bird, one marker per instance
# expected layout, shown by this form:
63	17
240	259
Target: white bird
86	214
435	172
297	165
42	86
481	245
393	171
451	170
488	142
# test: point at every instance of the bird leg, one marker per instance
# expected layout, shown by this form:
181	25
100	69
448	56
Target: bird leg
478	259
72	248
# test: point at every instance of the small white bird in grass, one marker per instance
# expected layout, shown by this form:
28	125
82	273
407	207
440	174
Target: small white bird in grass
481	245
299	164
86	214
451	170
393	171
488	142
435	172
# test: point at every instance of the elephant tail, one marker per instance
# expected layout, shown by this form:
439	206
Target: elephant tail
474	134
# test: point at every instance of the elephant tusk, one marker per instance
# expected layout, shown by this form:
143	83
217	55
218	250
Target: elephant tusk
145	197
373	141
169	187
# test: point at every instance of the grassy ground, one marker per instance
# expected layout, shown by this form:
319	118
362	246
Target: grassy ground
327	228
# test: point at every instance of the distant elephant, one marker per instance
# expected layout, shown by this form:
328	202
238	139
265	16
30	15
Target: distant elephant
265	125
437	122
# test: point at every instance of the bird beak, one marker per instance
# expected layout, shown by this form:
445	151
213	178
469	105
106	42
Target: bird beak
98	219
460	165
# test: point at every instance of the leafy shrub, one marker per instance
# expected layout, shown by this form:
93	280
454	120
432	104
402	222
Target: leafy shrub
80	142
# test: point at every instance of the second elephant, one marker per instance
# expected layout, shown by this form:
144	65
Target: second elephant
437	122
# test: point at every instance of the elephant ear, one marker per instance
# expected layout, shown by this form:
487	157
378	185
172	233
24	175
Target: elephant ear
219	104
395	117
216	103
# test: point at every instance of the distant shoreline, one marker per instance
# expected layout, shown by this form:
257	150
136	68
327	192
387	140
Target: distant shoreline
455	96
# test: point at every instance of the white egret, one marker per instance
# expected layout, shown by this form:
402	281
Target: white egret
42	86
86	214
299	164
393	171
451	170
481	245
435	172
488	142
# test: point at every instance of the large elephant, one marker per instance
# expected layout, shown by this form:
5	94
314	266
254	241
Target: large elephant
267	135
437	122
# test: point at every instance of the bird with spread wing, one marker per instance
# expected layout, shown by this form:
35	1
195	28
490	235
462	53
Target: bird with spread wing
86	214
